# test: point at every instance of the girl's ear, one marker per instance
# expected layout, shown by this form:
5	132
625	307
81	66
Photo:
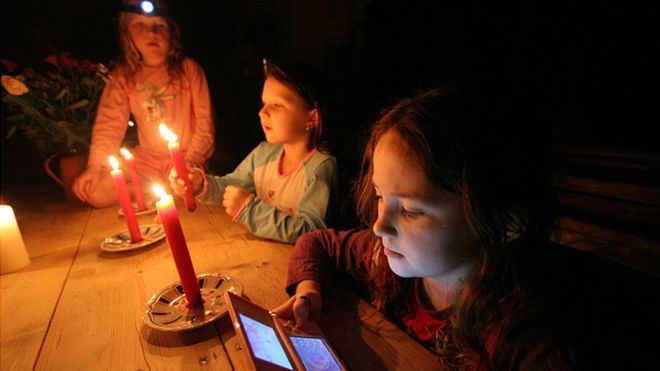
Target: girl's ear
512	235
312	119
514	232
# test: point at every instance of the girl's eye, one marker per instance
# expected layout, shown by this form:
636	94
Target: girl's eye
161	28
411	214
156	28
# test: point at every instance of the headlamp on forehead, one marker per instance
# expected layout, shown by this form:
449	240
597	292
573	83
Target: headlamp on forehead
145	7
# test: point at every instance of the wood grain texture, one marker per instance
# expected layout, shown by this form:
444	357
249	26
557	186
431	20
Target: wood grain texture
51	229
610	204
78	307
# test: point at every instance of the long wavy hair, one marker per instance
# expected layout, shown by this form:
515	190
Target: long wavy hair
467	144
130	58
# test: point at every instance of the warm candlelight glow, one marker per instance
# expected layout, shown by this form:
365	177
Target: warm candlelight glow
167	133
137	188
13	255
126	153
125	200
179	164
175	238
158	190
114	163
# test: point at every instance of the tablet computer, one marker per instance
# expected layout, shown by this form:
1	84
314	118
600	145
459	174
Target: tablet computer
275	344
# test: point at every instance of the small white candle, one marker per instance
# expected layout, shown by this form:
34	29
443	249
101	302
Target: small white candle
13	255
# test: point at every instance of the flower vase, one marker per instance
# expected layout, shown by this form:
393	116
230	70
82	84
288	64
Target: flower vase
70	166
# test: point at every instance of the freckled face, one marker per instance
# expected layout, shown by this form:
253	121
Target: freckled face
284	115
422	227
151	36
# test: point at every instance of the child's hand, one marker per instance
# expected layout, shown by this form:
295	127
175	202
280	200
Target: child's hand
300	307
178	185
233	199
85	184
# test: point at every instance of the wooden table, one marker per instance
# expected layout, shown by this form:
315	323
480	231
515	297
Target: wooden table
77	307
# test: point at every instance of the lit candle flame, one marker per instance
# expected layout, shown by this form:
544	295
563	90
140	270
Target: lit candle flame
167	133
126	153
158	190
114	163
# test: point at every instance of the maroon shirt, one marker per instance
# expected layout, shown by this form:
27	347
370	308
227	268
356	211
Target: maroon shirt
527	345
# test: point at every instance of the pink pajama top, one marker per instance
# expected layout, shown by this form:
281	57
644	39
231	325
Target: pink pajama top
153	97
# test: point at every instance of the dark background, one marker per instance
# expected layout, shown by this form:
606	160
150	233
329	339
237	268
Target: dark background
592	67
595	65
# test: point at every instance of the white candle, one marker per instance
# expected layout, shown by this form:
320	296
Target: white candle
13	255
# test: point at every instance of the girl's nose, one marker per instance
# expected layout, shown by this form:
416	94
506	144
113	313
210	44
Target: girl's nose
384	225
262	112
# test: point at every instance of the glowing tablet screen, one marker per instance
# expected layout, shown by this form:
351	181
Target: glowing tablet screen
314	353
264	342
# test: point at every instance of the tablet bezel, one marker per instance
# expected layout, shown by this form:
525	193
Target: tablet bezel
238	305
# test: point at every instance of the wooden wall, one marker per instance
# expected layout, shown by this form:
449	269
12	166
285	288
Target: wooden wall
610	204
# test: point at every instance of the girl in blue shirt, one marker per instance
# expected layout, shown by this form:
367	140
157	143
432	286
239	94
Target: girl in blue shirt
282	189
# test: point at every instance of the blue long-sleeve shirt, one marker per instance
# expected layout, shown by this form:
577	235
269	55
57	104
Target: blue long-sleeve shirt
282	206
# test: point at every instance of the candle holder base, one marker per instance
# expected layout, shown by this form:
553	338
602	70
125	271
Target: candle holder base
151	209
121	241
167	310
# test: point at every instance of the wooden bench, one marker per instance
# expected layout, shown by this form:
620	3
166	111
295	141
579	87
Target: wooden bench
610	205
608	240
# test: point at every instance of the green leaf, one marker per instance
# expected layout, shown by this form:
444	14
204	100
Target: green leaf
62	94
79	104
11	132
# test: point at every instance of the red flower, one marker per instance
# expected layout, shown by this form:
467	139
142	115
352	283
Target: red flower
68	62
52	59
10	65
87	66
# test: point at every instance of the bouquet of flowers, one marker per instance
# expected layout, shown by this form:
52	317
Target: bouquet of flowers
54	107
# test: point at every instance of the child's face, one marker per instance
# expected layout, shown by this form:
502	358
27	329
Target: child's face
422	227
284	116
151	36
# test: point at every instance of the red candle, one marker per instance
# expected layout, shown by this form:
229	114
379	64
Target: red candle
137	187
179	165
125	200
176	240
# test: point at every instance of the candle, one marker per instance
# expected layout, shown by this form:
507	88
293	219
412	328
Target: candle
13	255
125	200
137	187
176	240
179	165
